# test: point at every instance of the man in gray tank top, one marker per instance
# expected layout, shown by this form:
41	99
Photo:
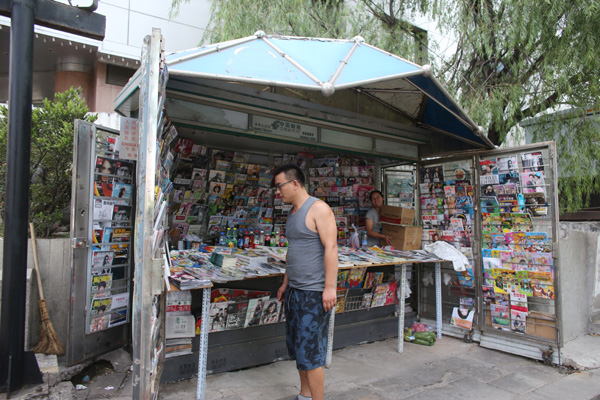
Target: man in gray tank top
309	284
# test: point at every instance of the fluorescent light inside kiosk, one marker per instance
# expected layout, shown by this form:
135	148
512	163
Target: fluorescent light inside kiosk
344	139
185	110
396	149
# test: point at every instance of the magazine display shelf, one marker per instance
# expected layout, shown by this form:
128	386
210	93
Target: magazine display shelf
500	209
203	342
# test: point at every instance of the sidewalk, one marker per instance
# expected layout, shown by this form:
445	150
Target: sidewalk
451	369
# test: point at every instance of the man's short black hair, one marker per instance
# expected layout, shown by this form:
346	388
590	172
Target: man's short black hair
291	171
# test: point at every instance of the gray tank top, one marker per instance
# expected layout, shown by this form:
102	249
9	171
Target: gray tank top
306	254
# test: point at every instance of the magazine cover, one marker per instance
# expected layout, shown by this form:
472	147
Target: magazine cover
121	235
518	321
342	276
489	205
122	215
457	171
379	295
104	168
124	172
270	314
122	190
103	189
535	203
100	305
223	165
255	309
506	164
432	174
489	172
217	189
355	278
532	162
340	300
101	282
99	323
117	317
184	146
179	230
103	209
236	314
373	279
216	176
102	259
533	182
217	316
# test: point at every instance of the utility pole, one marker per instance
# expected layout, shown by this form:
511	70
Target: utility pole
18	367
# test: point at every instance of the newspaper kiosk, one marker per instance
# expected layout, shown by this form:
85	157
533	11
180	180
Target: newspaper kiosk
270	96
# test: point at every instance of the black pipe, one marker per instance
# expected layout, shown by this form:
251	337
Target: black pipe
14	274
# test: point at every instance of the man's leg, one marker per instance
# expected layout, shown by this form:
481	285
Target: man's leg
304	386
316	382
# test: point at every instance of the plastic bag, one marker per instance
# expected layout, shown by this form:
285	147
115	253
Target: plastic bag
354	240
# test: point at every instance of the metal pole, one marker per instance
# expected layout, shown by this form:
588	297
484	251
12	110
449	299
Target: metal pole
14	274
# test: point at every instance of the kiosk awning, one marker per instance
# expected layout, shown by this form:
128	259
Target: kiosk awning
328	66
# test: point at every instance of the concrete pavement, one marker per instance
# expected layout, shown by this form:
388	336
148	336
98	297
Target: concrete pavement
451	369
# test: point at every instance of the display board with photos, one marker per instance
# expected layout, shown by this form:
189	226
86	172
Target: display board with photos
516	272
212	190
447	212
345	183
517	244
112	226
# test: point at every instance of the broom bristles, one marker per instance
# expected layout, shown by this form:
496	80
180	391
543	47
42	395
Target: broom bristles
49	342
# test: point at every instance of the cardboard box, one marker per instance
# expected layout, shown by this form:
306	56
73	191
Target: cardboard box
404	237
541	325
397	215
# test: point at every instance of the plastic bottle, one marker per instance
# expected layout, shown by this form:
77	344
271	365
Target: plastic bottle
229	238
261	238
256	239
275	238
234	238
247	239
282	240
222	241
240	240
267	239
364	243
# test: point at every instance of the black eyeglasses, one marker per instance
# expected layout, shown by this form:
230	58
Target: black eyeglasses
278	186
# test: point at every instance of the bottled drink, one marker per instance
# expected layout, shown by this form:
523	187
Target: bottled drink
256	239
282	240
364	242
267	239
246	239
261	238
228	238
234	238
240	241
222	241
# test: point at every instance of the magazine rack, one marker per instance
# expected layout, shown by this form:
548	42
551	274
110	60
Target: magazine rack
500	208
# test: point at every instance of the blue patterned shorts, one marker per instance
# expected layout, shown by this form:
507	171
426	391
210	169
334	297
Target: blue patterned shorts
306	328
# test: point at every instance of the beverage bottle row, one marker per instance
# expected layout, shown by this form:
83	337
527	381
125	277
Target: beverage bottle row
249	238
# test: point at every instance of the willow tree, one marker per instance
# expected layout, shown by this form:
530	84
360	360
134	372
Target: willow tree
511	60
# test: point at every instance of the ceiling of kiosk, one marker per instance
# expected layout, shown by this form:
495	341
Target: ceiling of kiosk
330	66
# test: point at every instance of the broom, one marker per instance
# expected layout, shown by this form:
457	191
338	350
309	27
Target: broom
49	342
